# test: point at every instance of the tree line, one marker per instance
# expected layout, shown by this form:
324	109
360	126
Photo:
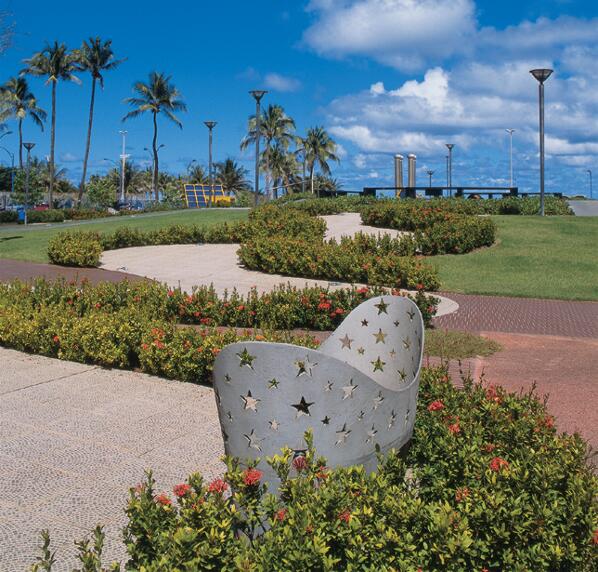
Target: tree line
287	159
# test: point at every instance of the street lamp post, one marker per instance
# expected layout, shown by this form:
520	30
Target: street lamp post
210	125
450	146
430	173
590	174
304	162
257	95
122	173
510	132
541	75
27	146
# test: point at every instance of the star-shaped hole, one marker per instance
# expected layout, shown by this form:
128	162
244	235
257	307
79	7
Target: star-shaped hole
361	351
273	383
250	402
411	314
382	307
407	416
227	378
361	416
364	323
371	434
302	407
380	336
253	441
407	343
346	342
378	400
245	358
342	435
392	420
305	367
326	420
378	364
403	374
274	425
329	385
348	390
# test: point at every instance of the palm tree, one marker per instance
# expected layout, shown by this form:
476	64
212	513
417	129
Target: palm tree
156	96
319	148
20	103
95	57
232	176
56	63
196	174
284	169
277	129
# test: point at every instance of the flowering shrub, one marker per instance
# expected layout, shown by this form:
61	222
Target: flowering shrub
75	248
450	503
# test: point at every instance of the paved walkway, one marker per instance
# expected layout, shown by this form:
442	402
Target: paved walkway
584	208
74	438
522	315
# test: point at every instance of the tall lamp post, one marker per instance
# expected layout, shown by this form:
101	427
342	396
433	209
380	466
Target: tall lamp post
510	132
27	146
450	146
210	125
123	157
430	173
541	75
257	95
590	174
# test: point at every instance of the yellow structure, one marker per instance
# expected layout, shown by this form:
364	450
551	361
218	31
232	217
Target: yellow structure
198	196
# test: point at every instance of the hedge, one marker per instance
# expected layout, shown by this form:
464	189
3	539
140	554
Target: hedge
487	484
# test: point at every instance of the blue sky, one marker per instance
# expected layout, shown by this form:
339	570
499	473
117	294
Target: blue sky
384	76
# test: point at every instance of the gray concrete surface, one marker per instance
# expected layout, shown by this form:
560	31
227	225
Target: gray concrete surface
584	208
74	438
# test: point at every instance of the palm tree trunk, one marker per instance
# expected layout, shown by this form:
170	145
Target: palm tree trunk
155	150
311	178
88	143
21	144
52	143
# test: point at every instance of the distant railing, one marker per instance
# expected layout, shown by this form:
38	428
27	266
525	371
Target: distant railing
490	192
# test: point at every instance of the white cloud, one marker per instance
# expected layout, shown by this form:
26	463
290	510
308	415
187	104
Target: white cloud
279	82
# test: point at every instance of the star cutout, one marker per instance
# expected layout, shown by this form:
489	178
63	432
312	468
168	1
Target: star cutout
380	336
371	434
407	413
393	353
396	323
326	420
378	364
245	358
302	407
382	306
274	425
391	421
250	402
407	343
329	385
361	416
346	342
364	323
348	390
360	351
273	383
304	367
378	400
227	378
230	416
411	314
252	441
402	374
342	435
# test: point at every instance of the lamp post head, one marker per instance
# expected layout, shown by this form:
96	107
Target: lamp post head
430	172
210	124
29	146
541	74
450	146
510	131
258	94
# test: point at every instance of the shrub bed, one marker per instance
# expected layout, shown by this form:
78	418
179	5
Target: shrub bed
487	485
9	216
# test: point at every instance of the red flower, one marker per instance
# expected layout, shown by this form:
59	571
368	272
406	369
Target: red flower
251	477
217	486
461	493
340	311
160	345
181	490
240	308
436	406
98	305
280	514
197	314
345	517
489	448
163	499
497	464
492	394
363	290
595	539
323	473
170	293
144	346
215	351
56	339
324	306
300	463
455	428
419	286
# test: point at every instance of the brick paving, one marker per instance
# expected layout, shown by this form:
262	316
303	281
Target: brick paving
522	316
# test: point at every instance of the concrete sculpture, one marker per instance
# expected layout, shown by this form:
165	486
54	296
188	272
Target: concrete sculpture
358	390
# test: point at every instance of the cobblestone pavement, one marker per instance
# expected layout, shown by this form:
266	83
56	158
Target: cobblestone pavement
74	438
522	315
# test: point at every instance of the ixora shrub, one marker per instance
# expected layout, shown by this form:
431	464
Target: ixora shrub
75	249
487	485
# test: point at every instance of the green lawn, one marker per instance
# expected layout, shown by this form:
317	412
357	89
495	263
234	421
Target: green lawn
31	243
553	257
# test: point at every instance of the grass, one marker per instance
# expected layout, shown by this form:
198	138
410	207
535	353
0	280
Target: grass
31	243
551	257
451	344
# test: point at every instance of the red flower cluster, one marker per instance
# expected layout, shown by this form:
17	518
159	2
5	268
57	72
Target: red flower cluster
217	486
461	494
323	473
324	306
492	394
280	514
497	464
345	516
436	406
300	463
489	447
163	499
56	339
595	539
181	490
251	477
454	428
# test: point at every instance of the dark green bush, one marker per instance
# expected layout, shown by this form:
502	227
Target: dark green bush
9	216
51	215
